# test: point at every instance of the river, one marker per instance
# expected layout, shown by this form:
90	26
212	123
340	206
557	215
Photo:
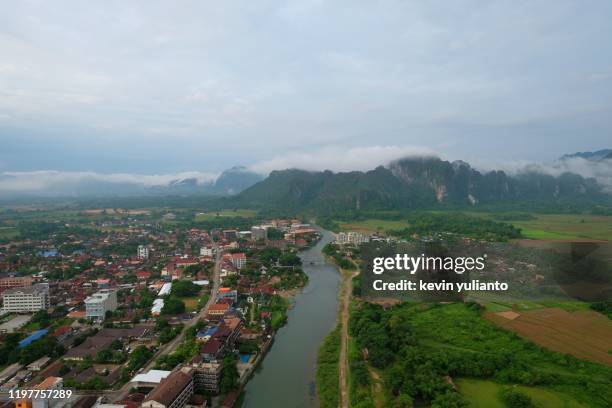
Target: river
286	377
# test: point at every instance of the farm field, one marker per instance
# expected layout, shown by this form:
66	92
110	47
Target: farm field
549	227
225	213
484	394
8	232
584	334
372	226
566	227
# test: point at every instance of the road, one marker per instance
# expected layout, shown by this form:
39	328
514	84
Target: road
174	343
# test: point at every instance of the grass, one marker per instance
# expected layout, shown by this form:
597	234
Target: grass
191	303
8	232
328	382
569	305
225	213
277	319
372	226
567	227
485	394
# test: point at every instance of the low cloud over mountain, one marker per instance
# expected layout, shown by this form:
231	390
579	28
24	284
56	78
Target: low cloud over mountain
592	165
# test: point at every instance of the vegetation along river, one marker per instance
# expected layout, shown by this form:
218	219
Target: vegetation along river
286	377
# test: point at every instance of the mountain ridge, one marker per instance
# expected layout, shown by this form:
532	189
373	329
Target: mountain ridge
415	182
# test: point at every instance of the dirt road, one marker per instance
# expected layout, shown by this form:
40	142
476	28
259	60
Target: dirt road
345	301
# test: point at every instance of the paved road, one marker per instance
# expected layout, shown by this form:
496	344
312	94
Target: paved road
174	343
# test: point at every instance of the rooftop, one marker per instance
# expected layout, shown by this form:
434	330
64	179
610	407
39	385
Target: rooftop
170	388
153	376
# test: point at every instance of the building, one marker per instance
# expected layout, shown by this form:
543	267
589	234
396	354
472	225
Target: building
15	282
259	233
143	252
30	299
149	379
49	383
244	234
229	235
33	337
228	293
351	237
158	305
172	392
207	376
99	303
238	260
207	251
38	364
217	310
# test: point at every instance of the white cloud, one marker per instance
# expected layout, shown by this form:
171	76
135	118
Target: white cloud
60	181
599	170
337	158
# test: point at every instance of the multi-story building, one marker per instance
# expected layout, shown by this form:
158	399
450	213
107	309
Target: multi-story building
173	391
207	376
230	235
15	282
143	252
30	299
206	251
351	237
217	310
258	233
238	260
99	303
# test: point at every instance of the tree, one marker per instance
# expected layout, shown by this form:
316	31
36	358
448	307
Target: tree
449	400
104	356
275	234
173	305
404	401
145	299
229	374
515	399
183	288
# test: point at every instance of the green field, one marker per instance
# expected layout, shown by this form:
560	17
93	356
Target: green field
570	305
567	227
484	394
225	213
8	232
555	227
373	226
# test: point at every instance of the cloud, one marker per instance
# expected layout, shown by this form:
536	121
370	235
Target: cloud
245	81
600	170
338	158
49	181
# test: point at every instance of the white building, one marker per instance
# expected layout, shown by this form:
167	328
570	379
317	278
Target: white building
149	379
206	251
351	237
31	299
99	303
158	305
143	252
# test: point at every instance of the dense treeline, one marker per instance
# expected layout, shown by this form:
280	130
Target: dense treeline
339	257
457	223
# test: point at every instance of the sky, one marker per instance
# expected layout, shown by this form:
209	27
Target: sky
163	88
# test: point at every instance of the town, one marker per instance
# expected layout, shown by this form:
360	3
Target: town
130	308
